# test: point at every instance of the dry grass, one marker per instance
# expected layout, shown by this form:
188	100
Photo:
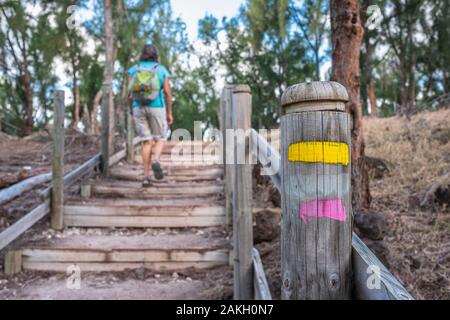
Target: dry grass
419	241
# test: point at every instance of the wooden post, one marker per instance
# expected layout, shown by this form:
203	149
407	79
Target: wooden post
57	195
85	190
13	262
130	136
105	129
242	195
316	228
225	104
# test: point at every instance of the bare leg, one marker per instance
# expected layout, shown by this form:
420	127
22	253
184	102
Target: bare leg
157	150
156	166
146	156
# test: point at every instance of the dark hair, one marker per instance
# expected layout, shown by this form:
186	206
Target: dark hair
149	53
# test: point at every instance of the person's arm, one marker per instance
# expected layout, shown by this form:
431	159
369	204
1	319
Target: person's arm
168	97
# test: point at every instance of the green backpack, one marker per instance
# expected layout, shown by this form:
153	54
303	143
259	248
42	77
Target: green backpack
145	86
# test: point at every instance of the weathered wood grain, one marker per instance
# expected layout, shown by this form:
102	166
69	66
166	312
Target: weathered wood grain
13	232
105	133
119	266
129	136
142	210
17	189
57	193
242	197
226	102
13	262
261	287
144	221
315	248
76	174
363	262
372	280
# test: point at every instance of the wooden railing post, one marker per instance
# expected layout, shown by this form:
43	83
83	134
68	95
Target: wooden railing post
225	110
105	129
316	228
242	194
57	194
130	136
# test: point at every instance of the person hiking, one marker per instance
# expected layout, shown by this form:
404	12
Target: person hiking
150	98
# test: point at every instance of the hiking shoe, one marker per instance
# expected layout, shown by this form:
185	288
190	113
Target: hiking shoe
146	182
157	171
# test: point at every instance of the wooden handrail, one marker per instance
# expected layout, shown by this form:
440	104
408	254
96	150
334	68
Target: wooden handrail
266	156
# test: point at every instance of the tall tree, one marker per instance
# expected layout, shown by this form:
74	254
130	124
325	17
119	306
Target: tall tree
347	33
17	39
311	18
109	69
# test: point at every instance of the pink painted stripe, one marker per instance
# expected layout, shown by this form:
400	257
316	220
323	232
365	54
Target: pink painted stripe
323	208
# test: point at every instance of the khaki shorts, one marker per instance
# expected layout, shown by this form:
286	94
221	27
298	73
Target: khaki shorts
150	123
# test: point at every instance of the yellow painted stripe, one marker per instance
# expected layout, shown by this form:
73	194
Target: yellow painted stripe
319	151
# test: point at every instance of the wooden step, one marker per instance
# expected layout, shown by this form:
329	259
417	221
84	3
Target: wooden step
158	203
123	173
189	171
173	166
118	253
130	189
143	216
186	159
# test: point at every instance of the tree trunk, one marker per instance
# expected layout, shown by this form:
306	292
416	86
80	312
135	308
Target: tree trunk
28	128
76	101
412	62
96	103
109	69
370	86
86	119
347	34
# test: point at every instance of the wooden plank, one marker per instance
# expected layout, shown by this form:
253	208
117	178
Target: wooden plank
76	174
192	172
144	203
23	224
129	136
242	197
171	166
17	189
260	285
317	218
187	159
162	187
267	156
118	266
227	153
57	193
148	210
13	262
155	192
143	221
105	134
124	255
119	175
85	190
372	280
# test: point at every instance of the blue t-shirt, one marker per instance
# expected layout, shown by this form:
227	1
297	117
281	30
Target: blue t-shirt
162	74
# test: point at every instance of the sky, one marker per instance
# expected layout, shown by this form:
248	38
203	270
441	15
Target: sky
193	10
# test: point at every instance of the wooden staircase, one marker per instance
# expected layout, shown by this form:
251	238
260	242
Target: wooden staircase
190	197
